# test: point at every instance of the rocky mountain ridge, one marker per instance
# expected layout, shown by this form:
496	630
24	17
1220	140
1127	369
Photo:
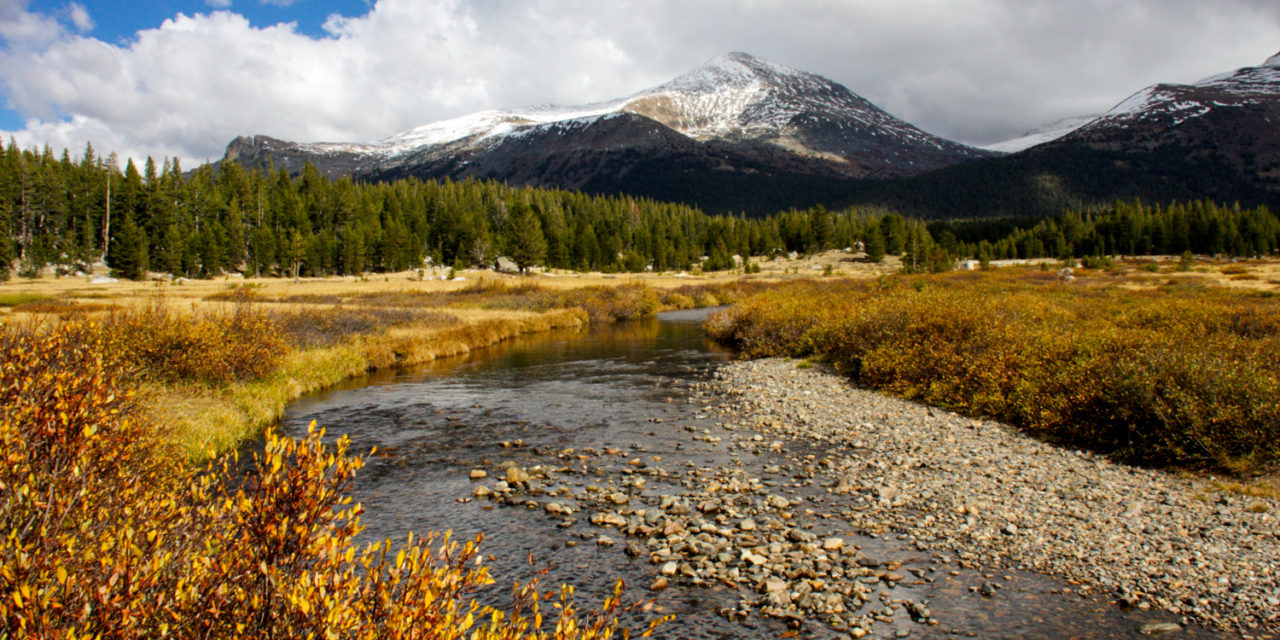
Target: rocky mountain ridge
735	116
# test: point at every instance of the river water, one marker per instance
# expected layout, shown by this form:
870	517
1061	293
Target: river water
627	399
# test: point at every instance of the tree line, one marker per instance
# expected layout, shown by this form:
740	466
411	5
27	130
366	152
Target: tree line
1123	228
68	214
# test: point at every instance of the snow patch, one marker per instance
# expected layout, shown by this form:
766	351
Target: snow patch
1040	136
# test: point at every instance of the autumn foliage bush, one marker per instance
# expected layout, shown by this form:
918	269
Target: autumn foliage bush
1166	377
159	342
101	536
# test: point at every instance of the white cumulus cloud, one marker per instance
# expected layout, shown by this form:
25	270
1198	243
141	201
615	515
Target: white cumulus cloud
79	17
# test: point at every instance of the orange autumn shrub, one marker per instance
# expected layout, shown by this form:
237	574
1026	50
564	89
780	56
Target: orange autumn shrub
216	347
1175	376
101	536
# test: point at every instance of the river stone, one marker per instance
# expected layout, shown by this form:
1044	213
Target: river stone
832	544
608	519
669	568
516	475
479	474
1159	628
747	525
659	583
772	585
605	541
796	535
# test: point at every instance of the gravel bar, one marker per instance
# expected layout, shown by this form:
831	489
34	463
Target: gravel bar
995	497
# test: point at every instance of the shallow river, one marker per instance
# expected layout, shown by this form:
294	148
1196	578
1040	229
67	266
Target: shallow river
631	387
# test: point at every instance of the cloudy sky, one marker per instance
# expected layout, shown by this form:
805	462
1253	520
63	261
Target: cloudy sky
181	78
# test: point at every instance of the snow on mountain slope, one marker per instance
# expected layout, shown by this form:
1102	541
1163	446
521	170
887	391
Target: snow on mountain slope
472	127
1173	104
1042	135
735	97
741	95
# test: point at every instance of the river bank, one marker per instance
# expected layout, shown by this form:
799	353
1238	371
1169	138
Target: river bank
675	487
997	498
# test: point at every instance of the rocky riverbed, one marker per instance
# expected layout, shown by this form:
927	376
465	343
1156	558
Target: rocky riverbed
831	488
851	467
997	498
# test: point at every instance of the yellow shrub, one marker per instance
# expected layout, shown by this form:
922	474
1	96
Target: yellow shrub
100	537
243	343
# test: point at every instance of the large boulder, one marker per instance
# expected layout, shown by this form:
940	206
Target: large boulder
505	265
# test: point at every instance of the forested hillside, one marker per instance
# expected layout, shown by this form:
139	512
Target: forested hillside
1046	180
1125	228
66	214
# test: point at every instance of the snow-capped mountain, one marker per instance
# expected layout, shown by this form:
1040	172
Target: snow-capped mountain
1170	105
734	114
1164	105
739	97
1218	139
1227	125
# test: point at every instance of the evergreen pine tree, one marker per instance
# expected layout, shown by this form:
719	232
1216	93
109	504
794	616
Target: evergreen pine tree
128	256
527	245
875	246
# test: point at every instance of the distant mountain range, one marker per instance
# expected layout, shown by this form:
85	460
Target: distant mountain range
744	134
1218	138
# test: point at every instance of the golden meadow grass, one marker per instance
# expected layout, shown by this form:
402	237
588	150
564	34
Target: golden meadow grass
1181	374
1161	368
219	361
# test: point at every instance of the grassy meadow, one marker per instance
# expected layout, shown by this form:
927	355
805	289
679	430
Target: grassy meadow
115	398
217	361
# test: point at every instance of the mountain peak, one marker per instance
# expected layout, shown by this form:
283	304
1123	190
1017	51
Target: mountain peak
736	112
734	70
1273	62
